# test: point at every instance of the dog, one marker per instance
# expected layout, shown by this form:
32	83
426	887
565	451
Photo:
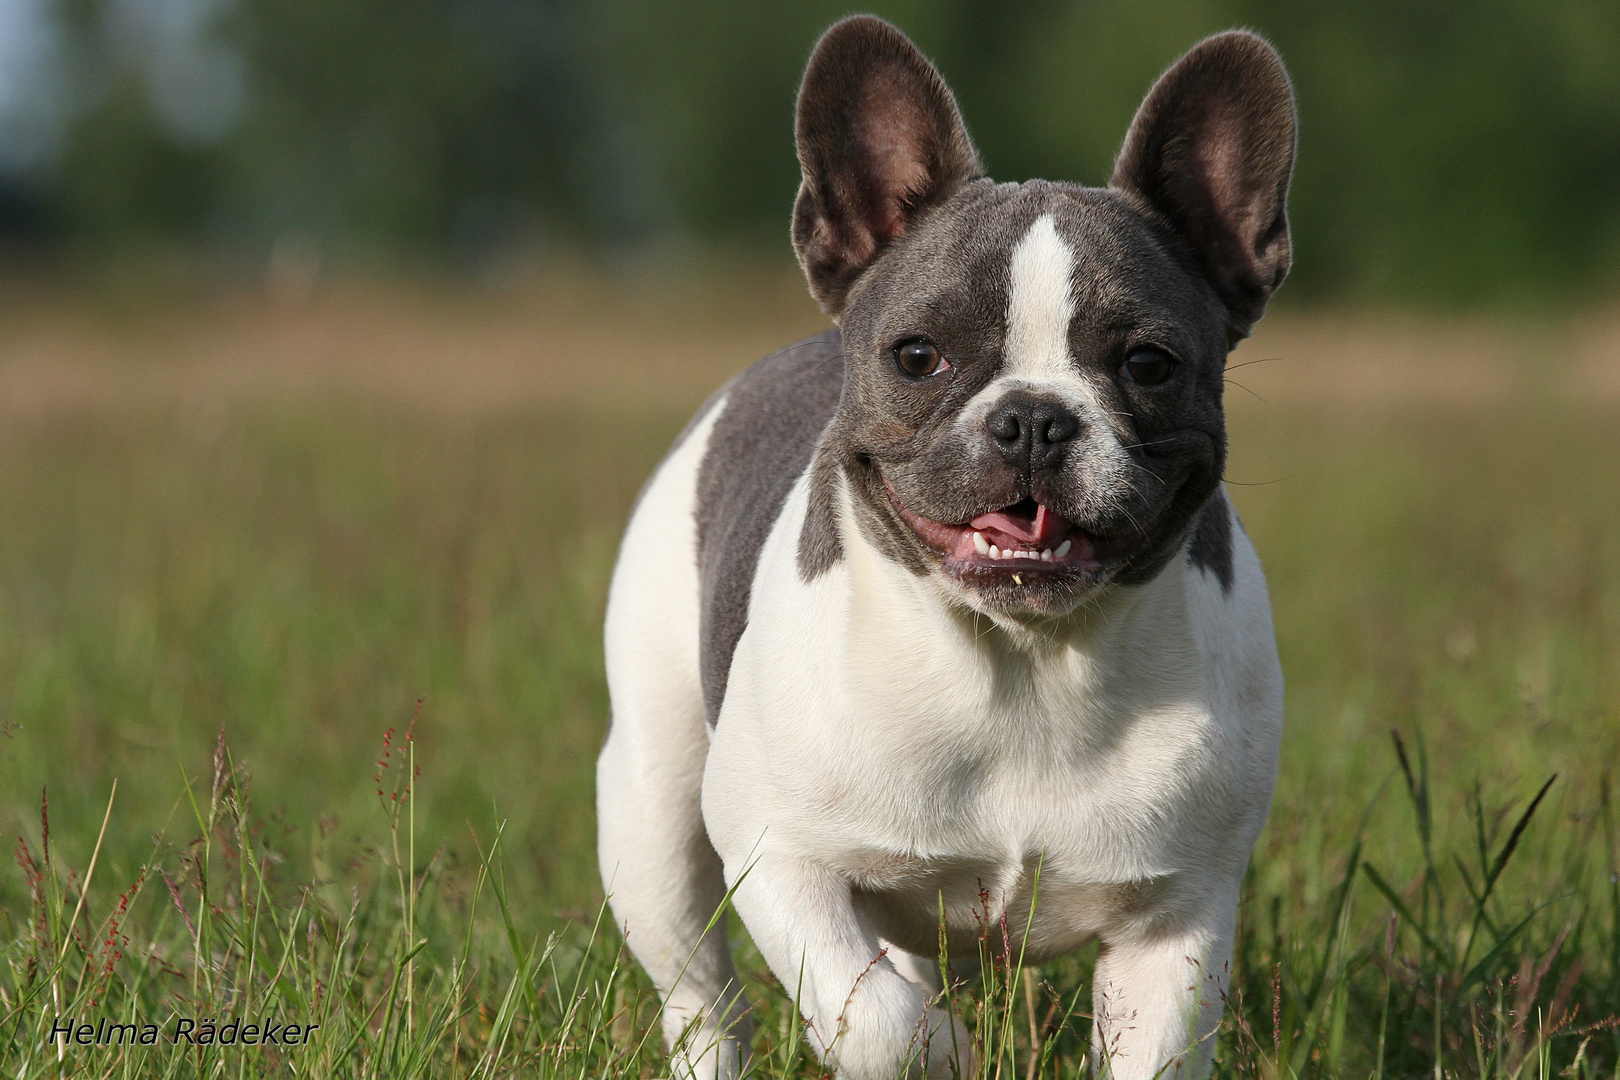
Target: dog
943	616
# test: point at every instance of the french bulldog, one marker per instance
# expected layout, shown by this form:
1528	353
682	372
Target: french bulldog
943	614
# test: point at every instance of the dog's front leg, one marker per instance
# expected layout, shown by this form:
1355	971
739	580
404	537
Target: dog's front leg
863	1017
1158	994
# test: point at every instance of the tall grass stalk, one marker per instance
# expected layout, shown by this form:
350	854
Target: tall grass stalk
399	969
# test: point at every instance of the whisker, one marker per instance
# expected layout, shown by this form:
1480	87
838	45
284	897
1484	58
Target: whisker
1245	389
1135	494
1257	483
1250	363
1049	637
1141	469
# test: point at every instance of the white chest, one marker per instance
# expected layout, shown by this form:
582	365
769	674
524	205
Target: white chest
928	756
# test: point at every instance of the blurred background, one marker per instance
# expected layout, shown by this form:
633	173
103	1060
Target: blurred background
1451	153
336	337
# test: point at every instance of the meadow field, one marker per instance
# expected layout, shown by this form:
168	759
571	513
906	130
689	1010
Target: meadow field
301	687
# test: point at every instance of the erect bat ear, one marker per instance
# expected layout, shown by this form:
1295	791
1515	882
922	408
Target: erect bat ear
880	141
1211	151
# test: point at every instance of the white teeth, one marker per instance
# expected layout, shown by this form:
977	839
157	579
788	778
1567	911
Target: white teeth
1044	555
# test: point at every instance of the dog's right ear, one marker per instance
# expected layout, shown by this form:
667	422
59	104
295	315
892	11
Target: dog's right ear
880	141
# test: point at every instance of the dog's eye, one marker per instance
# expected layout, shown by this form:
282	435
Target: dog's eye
1148	367
919	357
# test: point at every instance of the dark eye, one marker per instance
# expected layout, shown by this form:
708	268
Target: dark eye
1148	367
919	357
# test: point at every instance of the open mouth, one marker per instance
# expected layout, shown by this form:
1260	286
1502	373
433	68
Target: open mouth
1026	537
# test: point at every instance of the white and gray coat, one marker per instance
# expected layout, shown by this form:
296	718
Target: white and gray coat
828	697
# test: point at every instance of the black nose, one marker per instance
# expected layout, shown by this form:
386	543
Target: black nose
1031	432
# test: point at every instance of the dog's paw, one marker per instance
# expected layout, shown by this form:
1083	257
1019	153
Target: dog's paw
888	1030
948	1053
717	1058
708	1045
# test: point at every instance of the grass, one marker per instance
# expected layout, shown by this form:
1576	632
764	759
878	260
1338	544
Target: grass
223	603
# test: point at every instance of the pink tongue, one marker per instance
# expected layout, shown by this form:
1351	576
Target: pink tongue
1044	530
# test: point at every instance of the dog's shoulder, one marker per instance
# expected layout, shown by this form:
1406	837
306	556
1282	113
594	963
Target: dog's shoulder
770	423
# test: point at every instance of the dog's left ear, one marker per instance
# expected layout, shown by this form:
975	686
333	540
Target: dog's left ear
880	141
1211	151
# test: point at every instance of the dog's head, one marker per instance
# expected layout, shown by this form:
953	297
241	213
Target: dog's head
1032	399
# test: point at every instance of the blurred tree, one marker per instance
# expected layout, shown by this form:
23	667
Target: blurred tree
422	121
124	177
1454	151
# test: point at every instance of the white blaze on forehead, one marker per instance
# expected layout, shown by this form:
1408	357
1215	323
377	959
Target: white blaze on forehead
1039	305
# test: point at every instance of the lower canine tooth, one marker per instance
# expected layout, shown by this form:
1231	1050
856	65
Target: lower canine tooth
980	544
1062	549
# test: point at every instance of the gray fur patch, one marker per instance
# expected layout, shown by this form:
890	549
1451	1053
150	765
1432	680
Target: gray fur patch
775	415
1211	546
820	545
901	440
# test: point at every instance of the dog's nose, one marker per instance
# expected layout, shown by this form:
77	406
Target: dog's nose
1031	432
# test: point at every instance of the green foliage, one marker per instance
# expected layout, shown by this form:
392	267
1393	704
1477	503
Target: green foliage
1450	152
411	973
124	179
